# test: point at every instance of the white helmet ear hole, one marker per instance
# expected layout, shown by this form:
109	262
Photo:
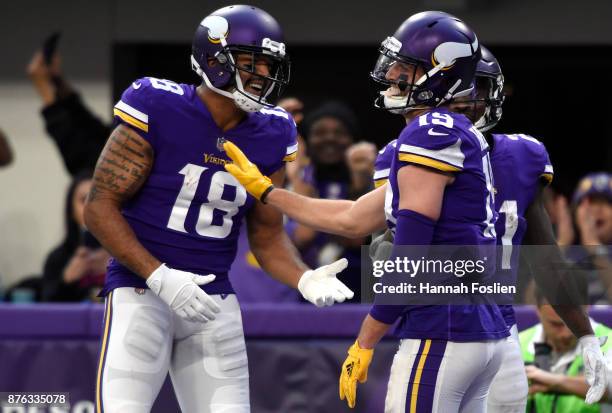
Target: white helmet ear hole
196	67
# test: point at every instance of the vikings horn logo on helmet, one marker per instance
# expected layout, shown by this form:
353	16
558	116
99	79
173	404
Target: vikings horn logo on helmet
218	28
447	53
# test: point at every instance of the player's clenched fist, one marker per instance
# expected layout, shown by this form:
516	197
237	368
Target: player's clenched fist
181	291
355	368
247	172
321	287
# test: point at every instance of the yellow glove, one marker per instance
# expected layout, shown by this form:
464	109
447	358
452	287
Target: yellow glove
247	172
355	368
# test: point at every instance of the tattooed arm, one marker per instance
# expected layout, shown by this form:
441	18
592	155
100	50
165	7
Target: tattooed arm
123	167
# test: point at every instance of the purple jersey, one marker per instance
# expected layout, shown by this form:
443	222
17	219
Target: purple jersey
448	142
382	165
530	164
520	163
188	212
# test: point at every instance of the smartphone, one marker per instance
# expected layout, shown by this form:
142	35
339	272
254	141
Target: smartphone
49	46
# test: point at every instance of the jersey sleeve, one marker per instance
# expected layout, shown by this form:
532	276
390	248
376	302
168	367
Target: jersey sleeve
547	171
134	108
536	158
382	165
291	135
436	146
292	143
284	129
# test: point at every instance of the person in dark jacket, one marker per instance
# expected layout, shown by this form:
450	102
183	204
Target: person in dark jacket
77	132
6	154
75	269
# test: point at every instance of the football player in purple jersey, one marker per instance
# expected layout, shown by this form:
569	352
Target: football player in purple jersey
440	192
521	168
357	218
165	208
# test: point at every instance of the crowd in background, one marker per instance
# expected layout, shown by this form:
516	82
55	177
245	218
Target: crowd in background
334	162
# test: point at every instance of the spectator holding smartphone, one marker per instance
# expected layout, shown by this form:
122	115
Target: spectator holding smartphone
78	134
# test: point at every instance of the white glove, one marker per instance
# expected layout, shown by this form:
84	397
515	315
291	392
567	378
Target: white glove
181	291
321	287
595	369
381	247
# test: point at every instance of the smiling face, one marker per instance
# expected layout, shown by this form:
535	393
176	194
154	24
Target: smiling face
252	70
401	80
255	68
328	140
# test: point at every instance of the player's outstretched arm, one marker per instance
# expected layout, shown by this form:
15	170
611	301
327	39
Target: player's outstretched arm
122	169
558	285
351	219
279	258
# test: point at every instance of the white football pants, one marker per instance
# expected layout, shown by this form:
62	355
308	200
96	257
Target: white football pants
509	389
143	340
442	376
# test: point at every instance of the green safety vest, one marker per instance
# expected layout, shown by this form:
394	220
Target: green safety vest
560	403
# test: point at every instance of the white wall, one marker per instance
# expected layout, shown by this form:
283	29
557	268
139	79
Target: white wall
32	189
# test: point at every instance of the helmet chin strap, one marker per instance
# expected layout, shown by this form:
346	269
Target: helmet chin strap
245	100
241	99
397	105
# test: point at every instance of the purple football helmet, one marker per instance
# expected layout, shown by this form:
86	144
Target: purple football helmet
490	86
234	30
438	44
